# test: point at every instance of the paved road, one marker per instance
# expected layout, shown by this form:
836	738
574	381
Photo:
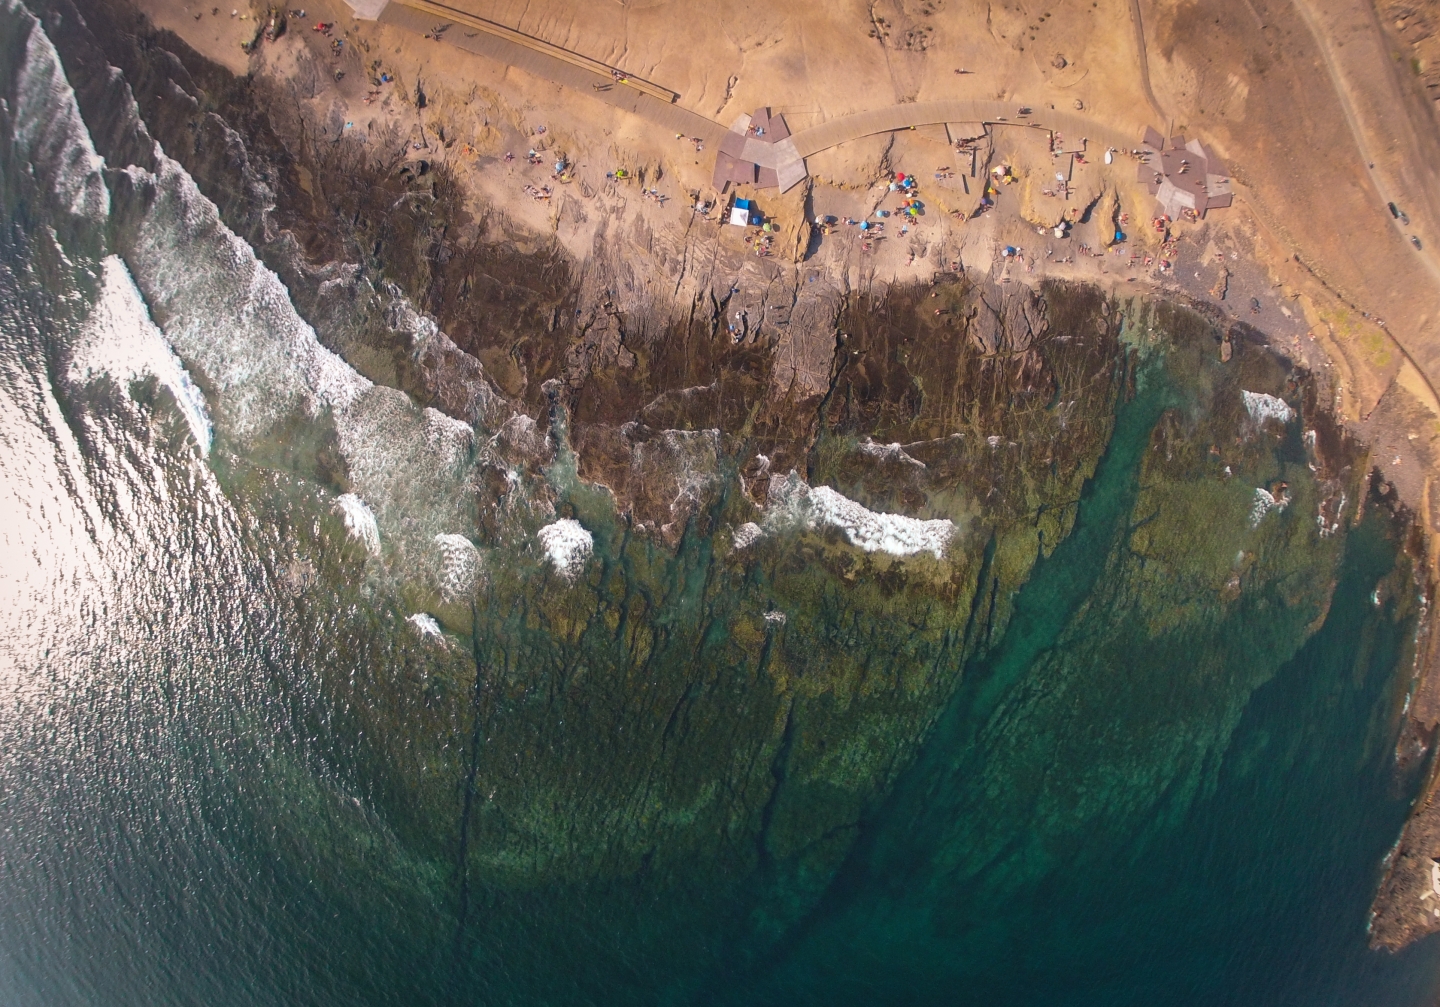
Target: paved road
1400	156
1375	110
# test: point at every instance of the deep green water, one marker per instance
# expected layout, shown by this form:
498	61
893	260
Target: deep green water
1033	856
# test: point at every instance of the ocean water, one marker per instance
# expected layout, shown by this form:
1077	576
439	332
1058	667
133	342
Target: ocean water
245	760
1034	856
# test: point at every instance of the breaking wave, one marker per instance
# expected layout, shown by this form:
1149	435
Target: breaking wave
795	504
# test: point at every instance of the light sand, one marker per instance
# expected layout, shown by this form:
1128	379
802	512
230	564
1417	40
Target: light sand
1308	205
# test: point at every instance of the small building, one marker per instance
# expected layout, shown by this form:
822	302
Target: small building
730	169
758	151
1183	175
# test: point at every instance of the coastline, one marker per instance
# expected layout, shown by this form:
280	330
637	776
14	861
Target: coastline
621	252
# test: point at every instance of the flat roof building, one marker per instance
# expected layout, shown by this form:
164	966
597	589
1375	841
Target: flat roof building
1183	175
758	151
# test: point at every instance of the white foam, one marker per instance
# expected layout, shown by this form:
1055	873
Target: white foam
120	340
231	320
459	565
1328	528
411	464
228	314
426	624
359	521
890	452
425	338
793	503
747	534
1264	503
695	455
1262	407
568	545
48	130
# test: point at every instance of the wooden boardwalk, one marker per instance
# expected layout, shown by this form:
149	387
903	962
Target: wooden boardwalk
455	15
925	113
550	62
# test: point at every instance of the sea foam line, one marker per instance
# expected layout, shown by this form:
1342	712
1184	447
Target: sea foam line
1262	407
120	339
49	132
793	503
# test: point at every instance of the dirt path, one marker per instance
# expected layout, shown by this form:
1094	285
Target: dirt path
419	16
601	70
1144	64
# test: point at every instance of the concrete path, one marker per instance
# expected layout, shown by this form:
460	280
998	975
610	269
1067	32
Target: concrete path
924	113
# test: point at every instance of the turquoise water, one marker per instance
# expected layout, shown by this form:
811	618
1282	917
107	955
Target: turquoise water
1031	857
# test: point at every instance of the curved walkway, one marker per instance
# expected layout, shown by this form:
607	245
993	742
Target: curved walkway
926	113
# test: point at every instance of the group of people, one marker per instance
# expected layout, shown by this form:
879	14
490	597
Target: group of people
379	79
872	231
